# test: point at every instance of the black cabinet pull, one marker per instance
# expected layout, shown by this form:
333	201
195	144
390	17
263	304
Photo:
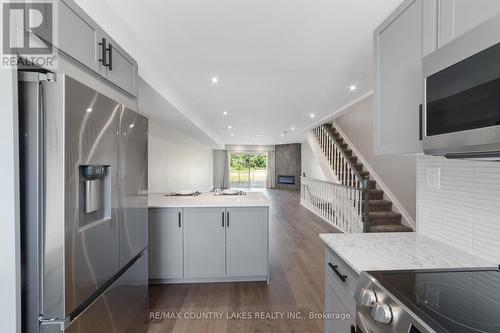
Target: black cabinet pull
223	219
227	219
110	56
102	44
179	219
107	54
420	122
342	277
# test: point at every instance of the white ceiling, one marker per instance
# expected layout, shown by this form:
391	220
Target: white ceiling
277	60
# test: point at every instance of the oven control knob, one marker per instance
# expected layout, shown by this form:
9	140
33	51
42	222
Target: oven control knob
367	297
382	313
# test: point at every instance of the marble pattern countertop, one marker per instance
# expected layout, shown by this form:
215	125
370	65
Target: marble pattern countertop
251	199
397	251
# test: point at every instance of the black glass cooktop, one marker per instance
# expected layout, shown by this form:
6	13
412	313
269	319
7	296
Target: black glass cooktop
449	301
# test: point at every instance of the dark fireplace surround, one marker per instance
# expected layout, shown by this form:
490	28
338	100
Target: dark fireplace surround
288	166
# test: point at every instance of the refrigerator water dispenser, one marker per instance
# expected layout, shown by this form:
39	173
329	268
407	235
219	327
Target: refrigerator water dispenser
94	193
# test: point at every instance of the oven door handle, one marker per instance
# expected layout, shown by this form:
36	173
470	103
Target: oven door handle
361	323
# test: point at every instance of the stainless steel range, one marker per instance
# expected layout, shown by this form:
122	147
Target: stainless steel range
83	174
455	301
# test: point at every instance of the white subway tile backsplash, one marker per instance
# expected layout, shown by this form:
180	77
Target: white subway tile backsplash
465	211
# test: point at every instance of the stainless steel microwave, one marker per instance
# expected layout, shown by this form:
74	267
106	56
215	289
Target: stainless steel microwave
461	110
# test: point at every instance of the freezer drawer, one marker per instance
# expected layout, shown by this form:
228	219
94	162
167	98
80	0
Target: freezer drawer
122	308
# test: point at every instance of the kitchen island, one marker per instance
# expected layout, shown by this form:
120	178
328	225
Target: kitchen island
208	238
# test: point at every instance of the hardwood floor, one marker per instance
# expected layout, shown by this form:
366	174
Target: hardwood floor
296	284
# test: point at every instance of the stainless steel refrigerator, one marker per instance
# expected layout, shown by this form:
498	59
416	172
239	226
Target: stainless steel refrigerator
83	185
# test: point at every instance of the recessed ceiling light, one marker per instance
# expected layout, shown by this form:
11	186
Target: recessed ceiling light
89	110
131	125
353	87
259	134
293	128
215	79
282	134
230	127
312	115
232	134
224	113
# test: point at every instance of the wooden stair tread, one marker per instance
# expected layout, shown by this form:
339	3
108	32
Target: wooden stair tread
375	194
358	166
389	228
384	218
380	203
385	214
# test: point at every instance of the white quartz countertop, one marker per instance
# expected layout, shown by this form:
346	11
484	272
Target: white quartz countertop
398	251
251	199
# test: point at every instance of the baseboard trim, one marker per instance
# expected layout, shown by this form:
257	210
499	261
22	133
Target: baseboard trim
262	278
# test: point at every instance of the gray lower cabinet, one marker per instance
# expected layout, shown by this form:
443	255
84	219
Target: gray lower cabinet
337	308
165	243
208	244
246	242
340	306
204	243
398	90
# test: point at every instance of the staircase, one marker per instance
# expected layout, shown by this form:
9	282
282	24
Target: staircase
379	215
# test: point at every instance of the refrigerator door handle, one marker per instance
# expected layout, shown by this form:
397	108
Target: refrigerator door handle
41	188
42	79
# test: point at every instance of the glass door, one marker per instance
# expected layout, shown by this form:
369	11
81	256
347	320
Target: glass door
248	170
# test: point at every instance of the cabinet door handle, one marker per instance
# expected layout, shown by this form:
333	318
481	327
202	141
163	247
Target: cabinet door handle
223	219
110	57
342	277
102	44
180	220
227	219
420	122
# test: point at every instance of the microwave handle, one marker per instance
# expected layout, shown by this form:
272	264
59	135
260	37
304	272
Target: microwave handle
420	122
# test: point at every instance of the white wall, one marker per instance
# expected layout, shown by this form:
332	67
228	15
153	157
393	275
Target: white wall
397	172
10	306
465	211
309	164
176	161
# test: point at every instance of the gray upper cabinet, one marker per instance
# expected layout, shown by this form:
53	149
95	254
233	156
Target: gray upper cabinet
121	69
77	37
398	90
80	38
456	17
